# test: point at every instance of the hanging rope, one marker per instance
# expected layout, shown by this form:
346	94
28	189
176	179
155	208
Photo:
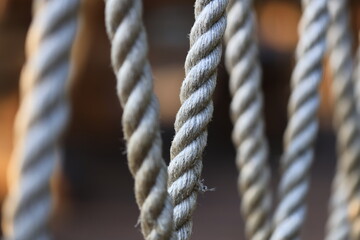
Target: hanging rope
140	117
41	120
302	128
195	112
337	226
241	59
345	120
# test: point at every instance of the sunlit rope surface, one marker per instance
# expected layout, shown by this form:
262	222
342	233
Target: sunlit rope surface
41	120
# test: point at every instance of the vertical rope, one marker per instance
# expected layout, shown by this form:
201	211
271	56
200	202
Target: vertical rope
302	128
196	111
337	226
41	120
140	116
345	120
241	59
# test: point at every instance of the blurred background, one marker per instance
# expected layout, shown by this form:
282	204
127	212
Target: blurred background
92	186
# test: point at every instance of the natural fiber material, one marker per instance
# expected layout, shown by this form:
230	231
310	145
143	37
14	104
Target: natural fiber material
241	58
346	121
195	112
140	117
302	128
41	120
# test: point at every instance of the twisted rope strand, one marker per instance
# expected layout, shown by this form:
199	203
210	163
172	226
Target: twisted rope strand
241	59
303	125
140	117
345	120
41	120
195	112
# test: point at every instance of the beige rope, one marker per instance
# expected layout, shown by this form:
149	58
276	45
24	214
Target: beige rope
140	117
302	128
41	120
241	58
345	119
195	112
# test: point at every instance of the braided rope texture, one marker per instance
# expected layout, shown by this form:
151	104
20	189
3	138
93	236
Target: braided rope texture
347	179
140	118
41	120
302	128
196	111
337	225
241	60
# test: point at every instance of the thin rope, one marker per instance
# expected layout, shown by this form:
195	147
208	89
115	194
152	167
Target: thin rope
241	59
41	120
195	112
140	116
345	120
302	128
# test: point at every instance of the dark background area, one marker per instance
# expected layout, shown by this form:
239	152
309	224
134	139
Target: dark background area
93	188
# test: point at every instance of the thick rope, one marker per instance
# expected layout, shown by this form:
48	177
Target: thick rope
196	111
345	121
41	120
241	58
356	75
337	226
302	128
140	116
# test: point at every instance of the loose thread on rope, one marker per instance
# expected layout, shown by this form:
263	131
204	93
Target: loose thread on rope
140	118
40	121
347	178
241	59
196	111
302	127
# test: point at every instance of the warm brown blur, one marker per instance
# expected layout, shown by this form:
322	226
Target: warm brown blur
93	188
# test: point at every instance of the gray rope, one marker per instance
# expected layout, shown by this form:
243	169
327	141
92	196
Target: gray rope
345	120
302	128
337	226
356	76
140	116
41	120
241	58
196	111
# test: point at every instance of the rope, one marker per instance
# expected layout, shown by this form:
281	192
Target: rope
241	59
41	120
337	226
345	120
303	125
195	112
140	117
356	76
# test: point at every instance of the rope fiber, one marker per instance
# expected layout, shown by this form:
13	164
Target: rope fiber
140	118
195	112
40	121
347	179
302	127
241	59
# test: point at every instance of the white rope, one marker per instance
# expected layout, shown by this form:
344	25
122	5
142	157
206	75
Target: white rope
337	226
302	128
140	117
345	118
41	120
196	111
241	58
